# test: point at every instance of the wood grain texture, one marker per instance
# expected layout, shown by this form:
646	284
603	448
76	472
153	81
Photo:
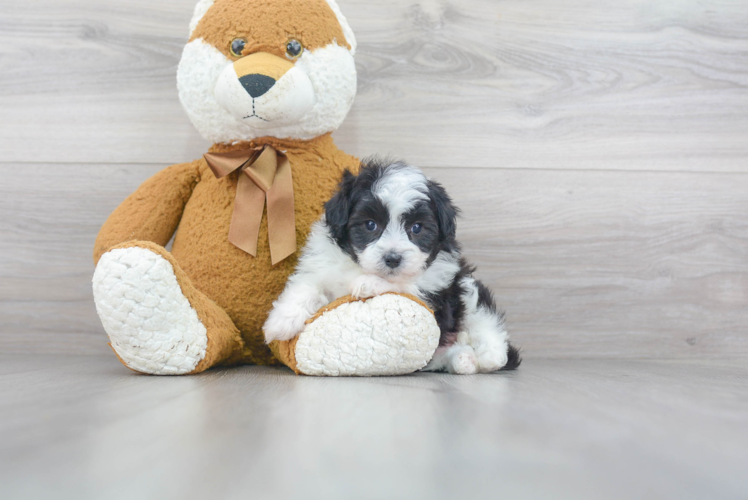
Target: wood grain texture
606	263
87	428
611	263
640	85
548	121
50	216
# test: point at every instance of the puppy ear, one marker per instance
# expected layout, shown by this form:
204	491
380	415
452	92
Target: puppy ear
338	208
446	212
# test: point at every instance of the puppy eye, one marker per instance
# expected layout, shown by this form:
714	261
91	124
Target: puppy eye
237	46
371	226
294	49
416	228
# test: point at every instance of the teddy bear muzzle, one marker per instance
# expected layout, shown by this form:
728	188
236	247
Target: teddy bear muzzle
264	91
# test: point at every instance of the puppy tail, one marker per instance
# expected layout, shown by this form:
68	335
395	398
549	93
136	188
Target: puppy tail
513	359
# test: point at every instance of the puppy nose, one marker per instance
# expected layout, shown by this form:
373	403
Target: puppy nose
393	260
256	85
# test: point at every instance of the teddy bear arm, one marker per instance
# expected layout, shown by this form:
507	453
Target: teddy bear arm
152	212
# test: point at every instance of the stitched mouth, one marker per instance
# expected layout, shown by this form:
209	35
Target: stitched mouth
254	113
255	116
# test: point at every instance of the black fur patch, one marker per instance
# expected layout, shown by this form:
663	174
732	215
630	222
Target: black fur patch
486	300
448	307
368	209
446	213
513	359
341	211
428	239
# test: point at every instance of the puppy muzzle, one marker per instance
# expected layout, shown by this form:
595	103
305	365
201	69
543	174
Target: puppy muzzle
393	260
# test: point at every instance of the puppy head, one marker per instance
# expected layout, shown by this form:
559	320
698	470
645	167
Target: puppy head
255	68
391	219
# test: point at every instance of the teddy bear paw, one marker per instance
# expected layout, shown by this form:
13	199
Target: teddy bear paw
151	325
385	335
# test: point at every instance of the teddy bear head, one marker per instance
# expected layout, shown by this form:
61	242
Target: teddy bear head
267	68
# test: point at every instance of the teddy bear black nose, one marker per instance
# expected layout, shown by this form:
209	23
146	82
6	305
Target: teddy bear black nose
256	85
393	260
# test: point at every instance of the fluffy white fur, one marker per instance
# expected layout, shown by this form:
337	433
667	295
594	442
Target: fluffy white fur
482	344
399	190
324	273
312	99
385	335
150	323
284	104
347	31
201	9
330	70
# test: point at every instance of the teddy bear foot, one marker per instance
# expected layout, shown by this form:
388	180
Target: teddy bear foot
385	335
151	325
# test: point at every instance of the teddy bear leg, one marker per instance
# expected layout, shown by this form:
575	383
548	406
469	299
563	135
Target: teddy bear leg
389	334
157	321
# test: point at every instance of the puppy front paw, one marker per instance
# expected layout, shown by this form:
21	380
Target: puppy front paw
284	323
368	285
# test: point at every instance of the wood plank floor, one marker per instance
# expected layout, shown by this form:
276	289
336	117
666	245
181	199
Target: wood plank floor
86	427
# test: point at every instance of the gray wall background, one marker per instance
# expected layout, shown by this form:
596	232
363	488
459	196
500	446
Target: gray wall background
599	151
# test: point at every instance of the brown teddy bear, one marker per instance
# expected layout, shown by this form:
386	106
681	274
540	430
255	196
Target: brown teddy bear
267	81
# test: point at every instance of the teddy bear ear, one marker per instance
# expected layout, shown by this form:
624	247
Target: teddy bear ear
204	5
347	31
200	9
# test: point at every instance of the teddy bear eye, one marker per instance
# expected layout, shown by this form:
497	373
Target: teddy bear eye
237	46
294	49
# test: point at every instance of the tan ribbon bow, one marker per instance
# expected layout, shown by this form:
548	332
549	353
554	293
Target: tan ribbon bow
267	176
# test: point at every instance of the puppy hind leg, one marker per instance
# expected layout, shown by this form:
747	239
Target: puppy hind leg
484	327
462	360
457	358
488	338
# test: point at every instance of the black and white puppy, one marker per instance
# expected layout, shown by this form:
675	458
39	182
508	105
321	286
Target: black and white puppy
390	229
